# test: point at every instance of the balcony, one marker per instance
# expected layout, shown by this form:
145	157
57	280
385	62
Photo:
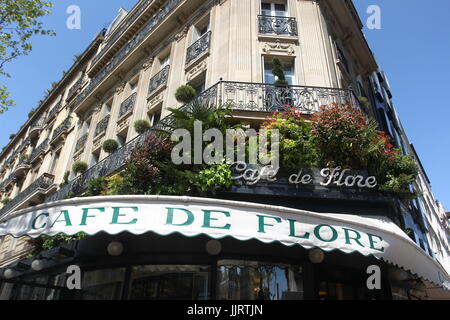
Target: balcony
127	106
81	143
22	167
61	131
253	97
120	30
140	37
159	81
74	89
260	97
9	181
34	192
38	151
53	111
198	49
101	127
280	26
36	127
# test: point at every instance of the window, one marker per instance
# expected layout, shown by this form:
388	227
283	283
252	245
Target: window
288	68
165	61
133	87
103	284
55	162
278	9
122	138
106	108
155	117
200	30
174	282
251	280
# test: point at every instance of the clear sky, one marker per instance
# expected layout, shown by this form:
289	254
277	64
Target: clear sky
412	46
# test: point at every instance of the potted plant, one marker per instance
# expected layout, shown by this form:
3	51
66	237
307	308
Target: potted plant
5	201
141	126
110	145
185	94
79	167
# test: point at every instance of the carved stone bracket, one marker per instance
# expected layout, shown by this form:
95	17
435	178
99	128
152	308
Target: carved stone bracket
182	34
119	89
148	63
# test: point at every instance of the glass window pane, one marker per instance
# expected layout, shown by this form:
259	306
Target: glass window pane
259	281
280	7
103	284
170	283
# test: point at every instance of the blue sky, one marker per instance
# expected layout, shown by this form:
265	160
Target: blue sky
413	47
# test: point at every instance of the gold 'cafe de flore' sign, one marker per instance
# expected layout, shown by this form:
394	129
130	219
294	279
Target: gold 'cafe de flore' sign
164	215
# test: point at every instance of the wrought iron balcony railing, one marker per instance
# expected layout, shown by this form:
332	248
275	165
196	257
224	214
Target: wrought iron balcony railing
37	125
38	150
42	183
198	48
75	87
127	105
245	96
159	79
81	142
53	111
4	184
22	166
240	97
148	27
107	166
61	128
277	25
102	125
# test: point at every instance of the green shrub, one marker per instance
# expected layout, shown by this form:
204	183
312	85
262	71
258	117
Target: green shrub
97	187
5	201
214	177
65	179
12	136
110	145
79	166
185	94
141	126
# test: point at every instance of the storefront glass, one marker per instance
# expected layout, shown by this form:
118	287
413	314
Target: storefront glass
105	284
251	280
170	282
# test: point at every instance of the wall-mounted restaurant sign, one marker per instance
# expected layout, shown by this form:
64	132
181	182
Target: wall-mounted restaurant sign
326	177
164	215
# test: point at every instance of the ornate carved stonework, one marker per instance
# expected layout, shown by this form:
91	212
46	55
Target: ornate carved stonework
122	124
120	87
148	63
155	101
278	47
182	34
196	70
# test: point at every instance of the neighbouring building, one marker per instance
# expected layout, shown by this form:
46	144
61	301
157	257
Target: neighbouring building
251	249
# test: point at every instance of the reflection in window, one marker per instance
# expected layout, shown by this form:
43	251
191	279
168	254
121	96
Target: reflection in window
288	68
244	280
169	283
103	284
